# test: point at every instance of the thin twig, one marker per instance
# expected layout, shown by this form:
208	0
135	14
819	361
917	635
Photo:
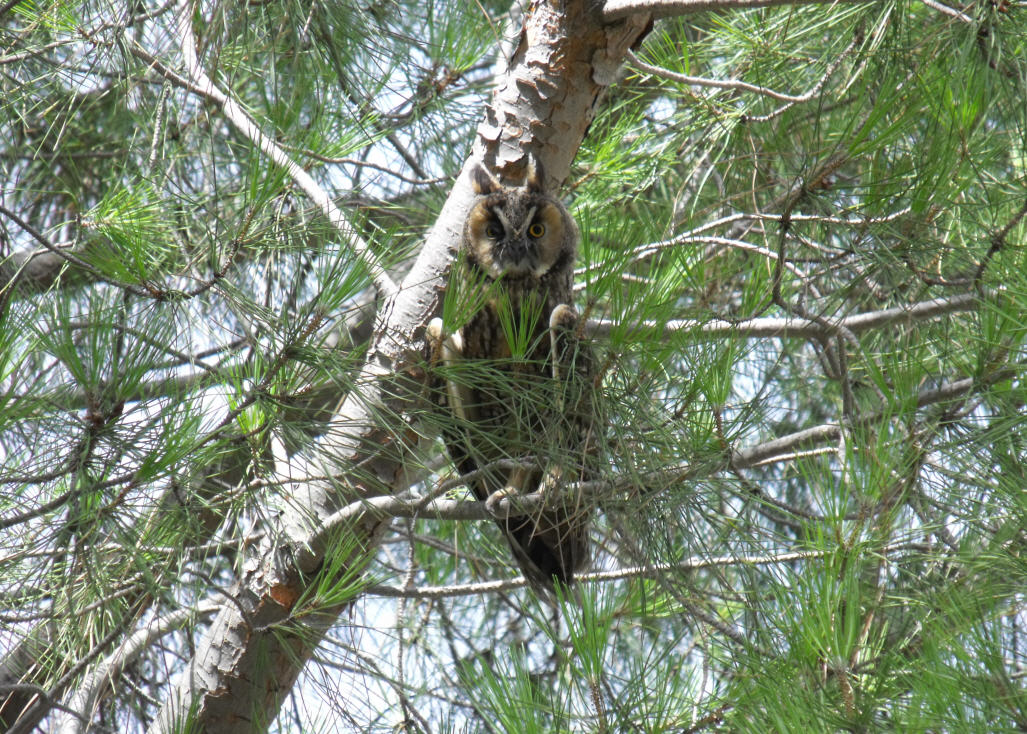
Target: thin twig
367	164
695	234
957	14
70	258
630	572
715	83
649	250
998	241
816	89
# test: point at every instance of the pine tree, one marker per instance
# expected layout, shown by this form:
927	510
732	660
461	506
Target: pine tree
224	501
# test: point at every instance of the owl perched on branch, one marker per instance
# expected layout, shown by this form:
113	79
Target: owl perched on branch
519	379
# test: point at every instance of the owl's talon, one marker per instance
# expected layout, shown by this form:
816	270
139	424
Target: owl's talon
436	332
493	500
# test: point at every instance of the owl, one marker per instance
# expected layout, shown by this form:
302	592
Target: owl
519	376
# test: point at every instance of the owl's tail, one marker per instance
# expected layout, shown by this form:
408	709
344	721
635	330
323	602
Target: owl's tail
549	547
551	544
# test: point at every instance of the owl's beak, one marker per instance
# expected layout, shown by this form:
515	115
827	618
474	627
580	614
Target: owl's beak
518	258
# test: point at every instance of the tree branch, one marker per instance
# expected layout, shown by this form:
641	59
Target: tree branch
77	710
617	9
797	327
734	84
617	574
238	117
65	256
388	507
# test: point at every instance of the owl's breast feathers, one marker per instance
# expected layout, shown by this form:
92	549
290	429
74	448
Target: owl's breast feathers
524	297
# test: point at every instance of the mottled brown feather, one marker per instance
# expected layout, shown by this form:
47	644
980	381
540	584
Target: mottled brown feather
519	413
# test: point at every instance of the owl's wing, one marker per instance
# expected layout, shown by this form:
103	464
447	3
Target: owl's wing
471	454
573	433
550	543
574	369
450	349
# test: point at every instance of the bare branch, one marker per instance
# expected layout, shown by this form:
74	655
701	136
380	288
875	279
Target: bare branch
367	164
617	9
957	14
648	251
35	692
800	442
798	327
76	712
618	574
998	241
715	83
66	256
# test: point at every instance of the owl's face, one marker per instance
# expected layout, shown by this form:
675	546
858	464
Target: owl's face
516	232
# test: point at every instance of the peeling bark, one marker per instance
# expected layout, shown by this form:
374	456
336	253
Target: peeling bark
564	61
254	651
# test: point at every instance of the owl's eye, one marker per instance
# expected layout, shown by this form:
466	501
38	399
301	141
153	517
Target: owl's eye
536	230
493	231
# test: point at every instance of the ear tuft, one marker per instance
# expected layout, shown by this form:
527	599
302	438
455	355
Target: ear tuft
535	179
482	181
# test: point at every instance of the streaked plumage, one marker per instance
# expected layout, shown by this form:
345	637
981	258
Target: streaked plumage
519	250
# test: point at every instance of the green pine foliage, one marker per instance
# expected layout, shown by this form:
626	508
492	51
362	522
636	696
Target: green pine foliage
810	517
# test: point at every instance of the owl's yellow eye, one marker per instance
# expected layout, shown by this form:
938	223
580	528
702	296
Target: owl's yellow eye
493	231
536	230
